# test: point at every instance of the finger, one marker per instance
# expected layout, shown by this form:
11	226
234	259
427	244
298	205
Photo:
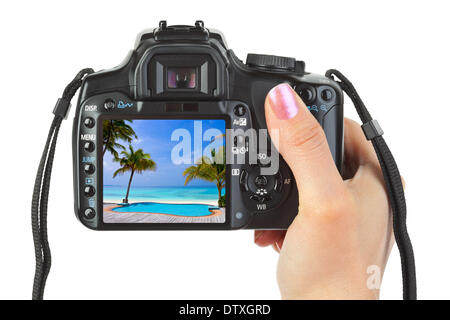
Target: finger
360	154
357	150
303	145
357	147
264	238
278	245
361	163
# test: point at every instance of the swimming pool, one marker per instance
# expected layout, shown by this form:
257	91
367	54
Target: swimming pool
186	210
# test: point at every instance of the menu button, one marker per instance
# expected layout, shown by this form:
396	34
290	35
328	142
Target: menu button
89	146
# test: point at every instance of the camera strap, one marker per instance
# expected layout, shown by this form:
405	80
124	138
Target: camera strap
393	182
371	129
42	186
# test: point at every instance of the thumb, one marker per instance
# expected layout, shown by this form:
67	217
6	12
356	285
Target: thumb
303	145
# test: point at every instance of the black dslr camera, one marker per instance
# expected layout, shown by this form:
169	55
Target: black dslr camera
173	138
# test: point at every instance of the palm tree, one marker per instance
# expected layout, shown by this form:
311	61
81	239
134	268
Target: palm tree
212	170
134	162
114	130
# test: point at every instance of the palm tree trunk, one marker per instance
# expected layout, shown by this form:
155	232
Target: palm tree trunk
105	145
129	185
219	188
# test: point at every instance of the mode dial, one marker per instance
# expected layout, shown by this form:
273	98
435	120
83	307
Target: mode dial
270	62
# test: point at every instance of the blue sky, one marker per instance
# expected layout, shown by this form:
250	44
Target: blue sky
154	137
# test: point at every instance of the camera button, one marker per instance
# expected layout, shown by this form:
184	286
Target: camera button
307	95
89	122
239	215
239	110
89	213
326	95
89	146
89	191
109	104
89	168
239	141
278	182
243	180
260	181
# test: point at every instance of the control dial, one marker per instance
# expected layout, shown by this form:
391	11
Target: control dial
265	61
260	188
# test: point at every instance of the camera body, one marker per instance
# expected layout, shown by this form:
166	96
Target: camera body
177	81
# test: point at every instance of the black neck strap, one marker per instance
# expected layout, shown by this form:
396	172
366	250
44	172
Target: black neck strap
42	186
370	127
393	182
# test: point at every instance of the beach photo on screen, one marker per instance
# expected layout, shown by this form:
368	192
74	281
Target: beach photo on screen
164	171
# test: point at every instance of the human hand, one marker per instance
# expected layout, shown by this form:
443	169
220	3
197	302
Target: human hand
344	224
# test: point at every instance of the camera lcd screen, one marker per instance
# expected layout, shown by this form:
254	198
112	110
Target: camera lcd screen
164	171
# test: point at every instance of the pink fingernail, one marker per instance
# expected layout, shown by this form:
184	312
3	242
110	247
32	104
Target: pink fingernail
283	101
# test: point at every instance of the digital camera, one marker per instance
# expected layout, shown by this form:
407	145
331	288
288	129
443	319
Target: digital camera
175	137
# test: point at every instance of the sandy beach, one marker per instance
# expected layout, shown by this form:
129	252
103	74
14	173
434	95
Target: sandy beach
110	216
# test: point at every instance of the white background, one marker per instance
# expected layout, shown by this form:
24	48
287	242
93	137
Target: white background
396	52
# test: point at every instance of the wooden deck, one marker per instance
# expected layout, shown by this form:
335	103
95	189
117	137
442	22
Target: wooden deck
110	216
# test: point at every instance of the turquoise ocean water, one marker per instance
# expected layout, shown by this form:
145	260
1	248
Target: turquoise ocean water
188	210
160	194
